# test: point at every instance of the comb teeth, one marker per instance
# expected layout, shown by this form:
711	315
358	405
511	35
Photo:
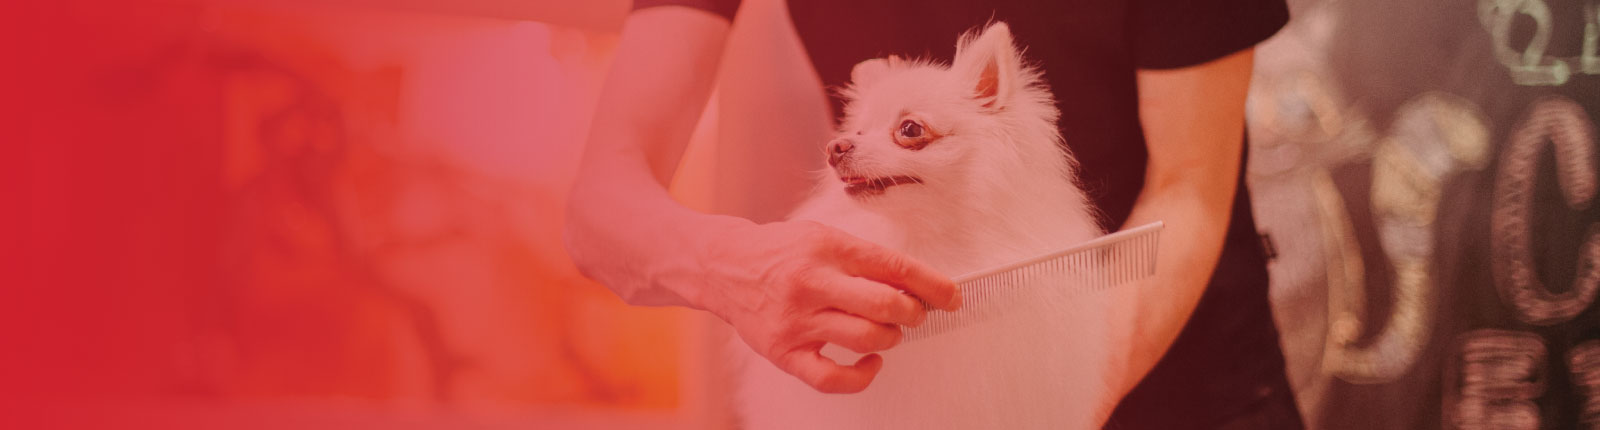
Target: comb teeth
1096	265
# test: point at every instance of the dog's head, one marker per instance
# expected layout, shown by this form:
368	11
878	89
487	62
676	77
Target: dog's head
917	130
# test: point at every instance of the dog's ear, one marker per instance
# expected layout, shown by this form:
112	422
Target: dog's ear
867	71
989	61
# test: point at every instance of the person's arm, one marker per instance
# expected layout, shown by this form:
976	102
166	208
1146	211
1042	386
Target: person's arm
1193	119
785	287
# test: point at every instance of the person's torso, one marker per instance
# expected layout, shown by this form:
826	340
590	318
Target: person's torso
1228	355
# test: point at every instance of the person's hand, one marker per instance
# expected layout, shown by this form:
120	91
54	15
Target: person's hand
788	288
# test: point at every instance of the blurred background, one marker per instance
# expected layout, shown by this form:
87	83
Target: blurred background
347	213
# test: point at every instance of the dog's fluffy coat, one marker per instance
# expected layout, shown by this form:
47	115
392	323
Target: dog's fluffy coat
992	184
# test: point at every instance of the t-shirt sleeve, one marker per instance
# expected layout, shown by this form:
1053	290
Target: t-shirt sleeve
722	8
1166	34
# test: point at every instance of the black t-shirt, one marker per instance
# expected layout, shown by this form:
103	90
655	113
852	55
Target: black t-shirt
1227	357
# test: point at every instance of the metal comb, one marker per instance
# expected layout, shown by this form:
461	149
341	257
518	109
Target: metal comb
1095	265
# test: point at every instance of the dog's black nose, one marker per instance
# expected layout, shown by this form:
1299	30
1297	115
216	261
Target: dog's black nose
838	149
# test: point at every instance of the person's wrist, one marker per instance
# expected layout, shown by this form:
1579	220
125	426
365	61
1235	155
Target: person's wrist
700	247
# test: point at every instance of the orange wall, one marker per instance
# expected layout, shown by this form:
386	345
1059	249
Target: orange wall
243	203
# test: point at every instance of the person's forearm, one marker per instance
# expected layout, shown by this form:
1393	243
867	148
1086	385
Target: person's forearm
1191	244
622	228
1193	119
625	231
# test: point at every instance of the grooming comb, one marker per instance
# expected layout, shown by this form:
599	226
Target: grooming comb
1095	265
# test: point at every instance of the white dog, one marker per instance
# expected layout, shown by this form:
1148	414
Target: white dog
961	167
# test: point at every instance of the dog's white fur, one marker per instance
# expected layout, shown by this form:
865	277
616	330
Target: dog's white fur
996	187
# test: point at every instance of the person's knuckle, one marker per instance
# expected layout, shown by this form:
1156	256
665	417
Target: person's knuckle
850	338
888	305
918	313
871	340
780	355
896	265
804	283
884	338
791	329
799	278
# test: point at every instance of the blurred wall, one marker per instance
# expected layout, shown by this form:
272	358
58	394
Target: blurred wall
1423	169
289	214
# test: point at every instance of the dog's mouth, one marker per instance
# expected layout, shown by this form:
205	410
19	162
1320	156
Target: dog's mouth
857	186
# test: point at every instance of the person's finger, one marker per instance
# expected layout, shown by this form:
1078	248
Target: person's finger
871	261
824	375
869	299
853	332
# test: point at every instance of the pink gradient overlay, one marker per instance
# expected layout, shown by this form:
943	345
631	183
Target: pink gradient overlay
287	214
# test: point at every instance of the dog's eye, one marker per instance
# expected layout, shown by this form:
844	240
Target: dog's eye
910	129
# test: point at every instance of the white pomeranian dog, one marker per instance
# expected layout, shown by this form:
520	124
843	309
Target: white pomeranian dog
961	167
